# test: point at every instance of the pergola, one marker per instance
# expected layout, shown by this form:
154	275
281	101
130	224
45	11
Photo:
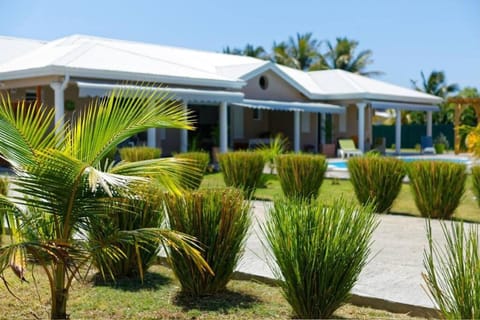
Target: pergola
461	105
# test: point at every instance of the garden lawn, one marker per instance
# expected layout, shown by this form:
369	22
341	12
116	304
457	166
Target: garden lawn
332	188
158	298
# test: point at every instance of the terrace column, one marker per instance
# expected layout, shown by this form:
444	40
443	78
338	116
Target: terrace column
398	130
296	131
429	123
184	132
58	90
152	137
322	128
361	126
223	126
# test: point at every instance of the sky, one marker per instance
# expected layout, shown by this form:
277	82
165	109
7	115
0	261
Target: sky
406	36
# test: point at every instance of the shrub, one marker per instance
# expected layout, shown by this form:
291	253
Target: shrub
476	182
132	154
193	179
437	187
377	180
320	251
270	151
242	170
452	271
219	219
301	175
118	227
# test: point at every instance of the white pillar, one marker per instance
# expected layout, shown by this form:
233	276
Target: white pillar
322	127
152	137
398	130
184	132
296	131
429	123
361	126
223	126
59	96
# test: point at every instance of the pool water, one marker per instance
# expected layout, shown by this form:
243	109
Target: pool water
342	164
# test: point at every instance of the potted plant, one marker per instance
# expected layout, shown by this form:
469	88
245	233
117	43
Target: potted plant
441	144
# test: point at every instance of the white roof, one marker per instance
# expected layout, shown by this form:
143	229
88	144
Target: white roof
13	47
101	58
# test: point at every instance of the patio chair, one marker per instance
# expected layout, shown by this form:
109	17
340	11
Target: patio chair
348	149
426	145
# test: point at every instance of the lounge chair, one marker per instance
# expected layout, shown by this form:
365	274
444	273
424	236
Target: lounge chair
348	149
426	145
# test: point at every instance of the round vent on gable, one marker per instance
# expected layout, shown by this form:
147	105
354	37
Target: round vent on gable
263	82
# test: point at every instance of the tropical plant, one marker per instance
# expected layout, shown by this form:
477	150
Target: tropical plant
452	276
3	191
249	50
61	175
270	151
219	219
198	161
301	175
377	180
139	153
476	183
298	53
342	56
437	187
242	170
436	85
318	251
142	210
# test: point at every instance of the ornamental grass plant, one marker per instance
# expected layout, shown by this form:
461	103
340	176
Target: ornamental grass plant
301	175
476	183
376	179
242	170
192	179
452	271
437	187
318	251
139	153
219	219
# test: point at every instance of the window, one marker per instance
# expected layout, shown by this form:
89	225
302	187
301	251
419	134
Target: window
30	96
263	82
257	114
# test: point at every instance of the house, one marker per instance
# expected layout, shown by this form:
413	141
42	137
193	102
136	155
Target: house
236	98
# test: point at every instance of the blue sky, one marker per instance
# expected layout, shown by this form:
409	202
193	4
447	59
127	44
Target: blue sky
406	36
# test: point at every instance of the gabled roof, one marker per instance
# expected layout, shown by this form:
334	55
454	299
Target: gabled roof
14	47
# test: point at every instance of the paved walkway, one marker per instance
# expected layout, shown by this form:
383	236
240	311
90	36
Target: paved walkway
392	280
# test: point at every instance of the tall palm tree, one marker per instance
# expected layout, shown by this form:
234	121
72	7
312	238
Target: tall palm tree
342	56
300	52
62	180
436	84
250	51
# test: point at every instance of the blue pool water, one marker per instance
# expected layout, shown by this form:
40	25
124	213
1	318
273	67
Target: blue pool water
342	164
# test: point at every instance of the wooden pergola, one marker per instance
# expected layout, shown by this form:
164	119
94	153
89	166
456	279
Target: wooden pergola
461	105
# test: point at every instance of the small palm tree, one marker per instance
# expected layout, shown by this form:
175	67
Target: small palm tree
342	56
299	53
62	181
250	51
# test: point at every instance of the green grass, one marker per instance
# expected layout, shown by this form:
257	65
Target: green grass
159	298
331	188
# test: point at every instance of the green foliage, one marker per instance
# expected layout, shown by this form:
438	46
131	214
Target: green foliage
476	183
276	147
441	139
242	170
320	251
301	175
132	154
377	180
132	255
192	179
219	219
437	187
452	271
4	182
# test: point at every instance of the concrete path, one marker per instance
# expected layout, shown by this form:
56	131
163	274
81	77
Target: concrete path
392	280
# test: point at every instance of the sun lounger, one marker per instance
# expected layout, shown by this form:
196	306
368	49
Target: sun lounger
348	149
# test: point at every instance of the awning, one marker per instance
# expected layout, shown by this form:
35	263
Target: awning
290	106
382	105
96	89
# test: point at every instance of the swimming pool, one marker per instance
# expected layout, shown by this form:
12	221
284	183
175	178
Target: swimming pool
342	164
